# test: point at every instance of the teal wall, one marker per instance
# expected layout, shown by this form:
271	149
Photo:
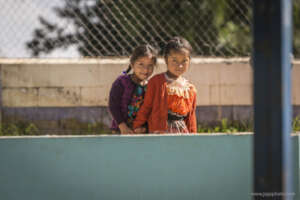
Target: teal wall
133	168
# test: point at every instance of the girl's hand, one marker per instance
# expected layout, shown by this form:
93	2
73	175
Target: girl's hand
140	130
124	129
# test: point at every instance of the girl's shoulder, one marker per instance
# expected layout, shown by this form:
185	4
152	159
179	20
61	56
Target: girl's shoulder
123	79
191	86
157	78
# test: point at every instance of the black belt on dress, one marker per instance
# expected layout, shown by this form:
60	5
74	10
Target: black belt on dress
174	116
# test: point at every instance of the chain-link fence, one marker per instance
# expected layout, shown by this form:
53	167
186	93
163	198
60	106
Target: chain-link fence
92	28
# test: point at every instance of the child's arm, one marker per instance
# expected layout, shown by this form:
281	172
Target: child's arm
114	102
124	129
145	110
140	130
191	121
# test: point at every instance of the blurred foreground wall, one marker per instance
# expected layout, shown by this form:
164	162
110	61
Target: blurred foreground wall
165	167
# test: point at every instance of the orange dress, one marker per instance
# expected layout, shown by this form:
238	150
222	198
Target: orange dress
169	106
178	104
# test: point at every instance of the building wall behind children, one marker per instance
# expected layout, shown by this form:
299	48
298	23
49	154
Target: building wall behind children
50	92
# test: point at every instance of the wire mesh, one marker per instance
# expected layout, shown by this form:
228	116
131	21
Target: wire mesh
93	28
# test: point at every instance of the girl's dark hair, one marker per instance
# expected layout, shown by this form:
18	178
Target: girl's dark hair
176	44
141	51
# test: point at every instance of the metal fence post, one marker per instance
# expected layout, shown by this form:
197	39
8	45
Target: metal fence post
272	99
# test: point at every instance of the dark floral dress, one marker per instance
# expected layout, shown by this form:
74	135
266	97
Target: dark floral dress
136	103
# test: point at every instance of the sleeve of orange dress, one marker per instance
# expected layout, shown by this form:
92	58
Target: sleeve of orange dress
145	110
191	120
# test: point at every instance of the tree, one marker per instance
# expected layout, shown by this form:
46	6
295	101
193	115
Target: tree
296	28
115	27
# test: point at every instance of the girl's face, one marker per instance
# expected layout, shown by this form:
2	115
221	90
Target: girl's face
143	67
178	62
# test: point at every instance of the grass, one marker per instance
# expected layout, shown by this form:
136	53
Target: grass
296	124
223	126
226	126
26	129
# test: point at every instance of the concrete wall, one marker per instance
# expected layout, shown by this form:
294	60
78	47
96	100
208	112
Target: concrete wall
62	83
32	86
87	82
196	167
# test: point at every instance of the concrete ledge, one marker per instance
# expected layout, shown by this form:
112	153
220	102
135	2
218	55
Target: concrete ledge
130	135
131	167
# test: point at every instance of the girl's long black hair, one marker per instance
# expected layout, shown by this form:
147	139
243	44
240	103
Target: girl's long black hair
175	44
141	51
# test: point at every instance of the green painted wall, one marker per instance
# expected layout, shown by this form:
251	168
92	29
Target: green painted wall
133	168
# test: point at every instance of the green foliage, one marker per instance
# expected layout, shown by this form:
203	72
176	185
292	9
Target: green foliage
114	28
224	126
97	129
69	128
296	28
17	129
296	124
31	129
11	129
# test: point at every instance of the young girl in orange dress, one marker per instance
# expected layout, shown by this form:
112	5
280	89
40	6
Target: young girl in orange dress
170	101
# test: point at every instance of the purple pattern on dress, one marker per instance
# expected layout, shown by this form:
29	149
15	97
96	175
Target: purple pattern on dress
119	99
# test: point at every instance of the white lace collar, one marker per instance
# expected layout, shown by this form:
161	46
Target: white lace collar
180	86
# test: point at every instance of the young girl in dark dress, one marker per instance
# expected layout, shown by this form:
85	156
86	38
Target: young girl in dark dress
127	92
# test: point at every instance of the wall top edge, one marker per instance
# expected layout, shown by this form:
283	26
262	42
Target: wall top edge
297	134
113	60
126	136
120	60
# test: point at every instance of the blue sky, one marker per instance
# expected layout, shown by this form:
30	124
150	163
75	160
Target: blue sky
18	19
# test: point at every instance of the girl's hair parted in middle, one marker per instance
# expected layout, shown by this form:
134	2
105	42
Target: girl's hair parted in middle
176	44
141	51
